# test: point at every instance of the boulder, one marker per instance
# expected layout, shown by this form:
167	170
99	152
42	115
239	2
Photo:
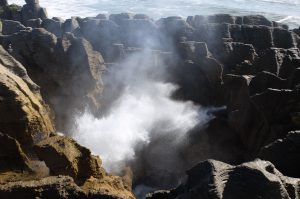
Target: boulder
214	179
284	154
264	80
10	27
64	156
12	156
24	115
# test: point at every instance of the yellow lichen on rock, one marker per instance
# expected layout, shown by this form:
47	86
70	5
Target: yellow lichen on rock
24	116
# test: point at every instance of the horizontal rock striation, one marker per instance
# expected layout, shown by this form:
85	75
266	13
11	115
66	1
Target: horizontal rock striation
247	65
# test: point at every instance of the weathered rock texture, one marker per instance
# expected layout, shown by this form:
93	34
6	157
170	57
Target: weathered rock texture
66	157
214	179
68	71
24	116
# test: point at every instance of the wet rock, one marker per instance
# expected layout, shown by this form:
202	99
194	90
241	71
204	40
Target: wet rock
195	51
267	117
199	81
212	34
10	27
283	38
281	62
264	80
12	156
284	154
24	115
259	36
235	54
236	92
213	179
257	20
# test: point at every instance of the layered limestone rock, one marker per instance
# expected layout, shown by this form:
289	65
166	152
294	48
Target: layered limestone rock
283	153
66	157
12	156
24	116
68	71
214	179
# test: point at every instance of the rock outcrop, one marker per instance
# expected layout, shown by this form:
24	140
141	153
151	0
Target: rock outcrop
68	70
247	65
12	156
284	154
24	116
66	157
213	179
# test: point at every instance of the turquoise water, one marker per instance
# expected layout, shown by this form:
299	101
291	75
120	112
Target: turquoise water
287	11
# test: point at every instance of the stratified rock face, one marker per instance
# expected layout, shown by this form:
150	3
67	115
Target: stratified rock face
68	71
66	157
11	155
60	187
213	179
284	154
24	116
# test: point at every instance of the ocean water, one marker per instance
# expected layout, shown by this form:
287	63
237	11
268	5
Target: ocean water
286	11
